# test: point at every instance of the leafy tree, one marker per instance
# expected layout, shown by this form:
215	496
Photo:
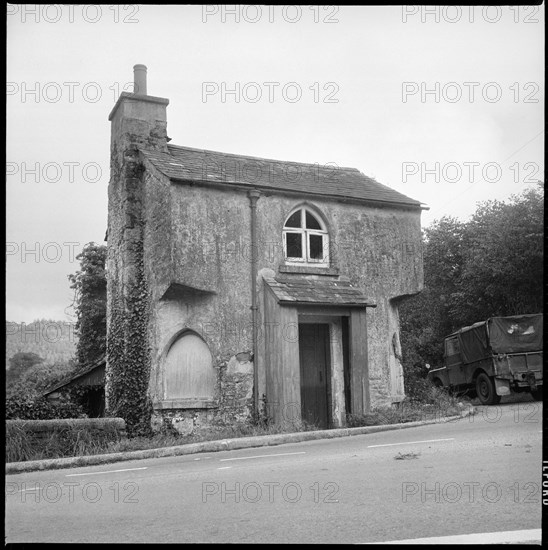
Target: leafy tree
90	286
503	271
43	377
428	317
20	363
445	249
38	378
491	265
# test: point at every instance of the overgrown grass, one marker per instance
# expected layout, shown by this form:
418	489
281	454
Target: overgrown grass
21	446
435	404
209	433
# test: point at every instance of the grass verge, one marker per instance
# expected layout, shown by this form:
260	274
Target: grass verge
21	446
436	405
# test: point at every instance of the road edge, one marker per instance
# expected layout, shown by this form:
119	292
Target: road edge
219	445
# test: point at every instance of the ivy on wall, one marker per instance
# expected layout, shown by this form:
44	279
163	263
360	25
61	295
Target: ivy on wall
128	353
129	359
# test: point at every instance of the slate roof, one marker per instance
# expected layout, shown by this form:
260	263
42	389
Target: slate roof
198	165
317	292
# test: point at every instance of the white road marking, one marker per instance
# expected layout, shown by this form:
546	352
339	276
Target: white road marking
261	456
501	537
225	468
411	442
107	472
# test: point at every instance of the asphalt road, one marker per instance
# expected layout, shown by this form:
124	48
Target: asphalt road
480	474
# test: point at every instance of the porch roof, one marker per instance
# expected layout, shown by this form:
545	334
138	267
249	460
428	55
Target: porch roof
317	292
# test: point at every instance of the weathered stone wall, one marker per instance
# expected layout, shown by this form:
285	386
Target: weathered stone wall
377	248
212	298
179	258
157	238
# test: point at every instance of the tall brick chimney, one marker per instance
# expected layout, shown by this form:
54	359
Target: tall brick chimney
138	121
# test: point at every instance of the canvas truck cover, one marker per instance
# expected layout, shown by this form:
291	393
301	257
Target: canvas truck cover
516	334
474	344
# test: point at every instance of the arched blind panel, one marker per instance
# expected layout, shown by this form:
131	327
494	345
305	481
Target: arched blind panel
189	371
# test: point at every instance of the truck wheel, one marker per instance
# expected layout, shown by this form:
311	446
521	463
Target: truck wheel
537	394
485	388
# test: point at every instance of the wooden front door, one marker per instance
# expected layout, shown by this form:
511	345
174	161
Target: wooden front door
315	372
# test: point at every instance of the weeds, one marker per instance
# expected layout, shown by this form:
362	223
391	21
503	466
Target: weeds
22	445
209	433
436	404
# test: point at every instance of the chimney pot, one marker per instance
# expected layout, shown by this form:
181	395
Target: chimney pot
140	79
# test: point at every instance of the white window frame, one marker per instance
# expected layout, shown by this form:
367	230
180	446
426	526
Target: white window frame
305	240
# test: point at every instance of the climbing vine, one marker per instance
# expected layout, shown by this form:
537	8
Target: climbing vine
128	352
129	359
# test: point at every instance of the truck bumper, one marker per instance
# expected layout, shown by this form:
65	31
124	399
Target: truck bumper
530	377
521	370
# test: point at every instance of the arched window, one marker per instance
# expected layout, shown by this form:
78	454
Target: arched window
189	371
305	239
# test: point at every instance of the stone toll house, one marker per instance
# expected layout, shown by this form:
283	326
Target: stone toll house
239	284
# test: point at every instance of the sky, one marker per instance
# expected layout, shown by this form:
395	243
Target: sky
443	104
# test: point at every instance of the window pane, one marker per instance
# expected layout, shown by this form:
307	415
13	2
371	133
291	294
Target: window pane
316	247
294	245
452	346
311	221
294	220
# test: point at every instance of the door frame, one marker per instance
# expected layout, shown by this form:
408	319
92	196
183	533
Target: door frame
338	362
279	362
356	354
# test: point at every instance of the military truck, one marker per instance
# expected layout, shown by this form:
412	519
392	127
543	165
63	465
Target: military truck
492	358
